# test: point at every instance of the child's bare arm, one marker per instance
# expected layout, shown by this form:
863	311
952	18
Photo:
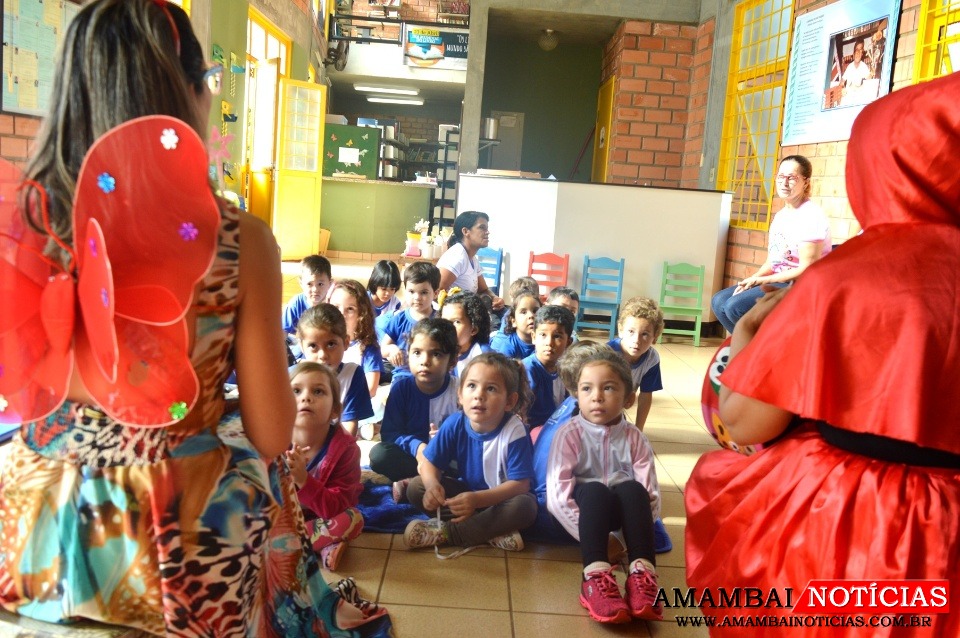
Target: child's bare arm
644	401
434	494
751	421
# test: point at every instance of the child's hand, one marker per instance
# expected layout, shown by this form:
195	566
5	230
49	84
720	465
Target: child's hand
297	462
462	506
433	497
394	354
433	430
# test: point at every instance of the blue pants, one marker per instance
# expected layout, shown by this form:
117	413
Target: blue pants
730	307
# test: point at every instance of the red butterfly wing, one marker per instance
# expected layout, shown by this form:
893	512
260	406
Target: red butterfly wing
145	183
37	316
95	284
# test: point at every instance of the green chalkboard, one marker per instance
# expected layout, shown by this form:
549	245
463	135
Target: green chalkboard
350	151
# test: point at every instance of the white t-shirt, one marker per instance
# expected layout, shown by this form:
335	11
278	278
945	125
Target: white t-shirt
855	74
467	271
791	227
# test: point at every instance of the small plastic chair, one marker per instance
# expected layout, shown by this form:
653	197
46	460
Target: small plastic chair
681	295
491	266
549	269
601	291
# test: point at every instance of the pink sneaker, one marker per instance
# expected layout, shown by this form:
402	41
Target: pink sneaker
600	596
642	592
400	491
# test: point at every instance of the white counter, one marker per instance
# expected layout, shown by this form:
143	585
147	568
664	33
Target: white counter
644	225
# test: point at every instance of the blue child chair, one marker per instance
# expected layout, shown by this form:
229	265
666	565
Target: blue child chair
601	291
491	265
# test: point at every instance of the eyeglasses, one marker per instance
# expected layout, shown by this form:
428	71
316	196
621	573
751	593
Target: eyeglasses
789	179
214	78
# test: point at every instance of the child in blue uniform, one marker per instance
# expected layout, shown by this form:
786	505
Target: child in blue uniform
382	287
351	300
315	279
469	316
323	337
492	500
417	401
515	339
639	326
554	325
421	280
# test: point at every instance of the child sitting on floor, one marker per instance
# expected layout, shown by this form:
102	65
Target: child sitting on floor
382	287
417	404
638	327
469	316
315	279
421	280
351	300
553	325
323	337
515	339
601	478
569	299
324	462
492	500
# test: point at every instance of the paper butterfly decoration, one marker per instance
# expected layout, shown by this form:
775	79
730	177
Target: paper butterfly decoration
145	232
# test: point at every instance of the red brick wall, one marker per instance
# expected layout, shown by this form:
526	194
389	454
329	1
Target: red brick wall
653	62
747	249
427	128
16	137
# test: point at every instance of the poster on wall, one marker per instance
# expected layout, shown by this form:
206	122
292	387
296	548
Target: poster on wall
32	33
841	60
434	48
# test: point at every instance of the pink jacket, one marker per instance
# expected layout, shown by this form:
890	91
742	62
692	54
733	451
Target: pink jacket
582	452
334	484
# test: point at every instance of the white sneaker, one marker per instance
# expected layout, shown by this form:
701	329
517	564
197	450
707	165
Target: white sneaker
511	542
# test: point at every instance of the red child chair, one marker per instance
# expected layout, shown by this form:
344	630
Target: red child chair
550	270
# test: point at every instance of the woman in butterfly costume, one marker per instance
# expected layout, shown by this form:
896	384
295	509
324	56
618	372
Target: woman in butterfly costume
129	293
855	369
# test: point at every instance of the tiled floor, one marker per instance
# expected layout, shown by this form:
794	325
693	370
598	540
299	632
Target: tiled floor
492	593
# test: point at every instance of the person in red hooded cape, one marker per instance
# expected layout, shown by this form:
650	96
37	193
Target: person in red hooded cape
855	368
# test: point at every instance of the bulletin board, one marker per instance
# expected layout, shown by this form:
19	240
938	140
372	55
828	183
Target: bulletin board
351	151
32	33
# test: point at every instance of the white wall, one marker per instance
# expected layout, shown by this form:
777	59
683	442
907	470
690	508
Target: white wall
646	226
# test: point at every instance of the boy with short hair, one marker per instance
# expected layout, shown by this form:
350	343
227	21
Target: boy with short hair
569	299
551	338
421	282
639	326
316	278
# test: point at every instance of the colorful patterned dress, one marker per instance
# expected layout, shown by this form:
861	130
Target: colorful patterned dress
183	531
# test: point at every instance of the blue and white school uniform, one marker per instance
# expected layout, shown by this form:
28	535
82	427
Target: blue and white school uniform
354	394
369	359
393	304
464	359
548	391
511	345
546	527
484	461
409	412
646	371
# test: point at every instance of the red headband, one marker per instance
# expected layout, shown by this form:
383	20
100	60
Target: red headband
173	25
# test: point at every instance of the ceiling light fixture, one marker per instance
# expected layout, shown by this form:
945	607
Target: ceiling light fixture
412	101
383	88
548	40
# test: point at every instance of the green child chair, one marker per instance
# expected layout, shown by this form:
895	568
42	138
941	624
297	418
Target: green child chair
681	296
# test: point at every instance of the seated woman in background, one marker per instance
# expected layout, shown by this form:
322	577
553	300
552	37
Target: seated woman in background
458	266
799	236
853	371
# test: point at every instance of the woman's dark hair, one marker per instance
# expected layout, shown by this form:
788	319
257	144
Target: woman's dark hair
514	377
385	274
439	330
119	61
476	312
466	220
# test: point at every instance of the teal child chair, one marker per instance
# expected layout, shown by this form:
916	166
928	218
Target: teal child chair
681	295
491	267
601	290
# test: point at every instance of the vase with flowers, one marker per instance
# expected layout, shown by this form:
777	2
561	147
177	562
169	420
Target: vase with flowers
415	238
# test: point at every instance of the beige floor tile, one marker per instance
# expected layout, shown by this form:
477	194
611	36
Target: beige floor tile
669	629
672	433
469	582
536	625
414	621
676	556
365	566
372	540
545	587
671	508
547	551
671	415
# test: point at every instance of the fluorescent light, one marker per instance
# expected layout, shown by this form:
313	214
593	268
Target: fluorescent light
415	101
395	90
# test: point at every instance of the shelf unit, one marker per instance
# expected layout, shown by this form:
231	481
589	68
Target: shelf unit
397	161
445	195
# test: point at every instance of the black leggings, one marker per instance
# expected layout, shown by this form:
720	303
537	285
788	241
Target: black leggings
605	509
